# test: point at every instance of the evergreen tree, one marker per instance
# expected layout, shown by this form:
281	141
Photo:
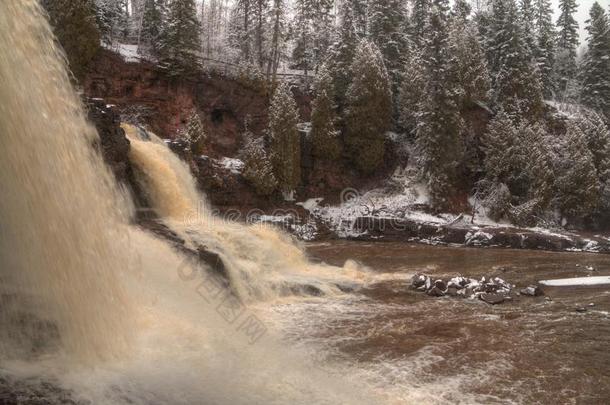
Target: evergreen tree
386	21
112	20
419	20
544	52
360	12
181	41
597	136
369	108
577	182
567	42
153	21
342	54
285	140
324	134
276	18
595	74
258	169
312	30
195	134
439	136
470	63
411	91
515	79
528	24
75	27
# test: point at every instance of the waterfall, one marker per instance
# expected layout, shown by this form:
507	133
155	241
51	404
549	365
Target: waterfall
262	262
95	306
62	218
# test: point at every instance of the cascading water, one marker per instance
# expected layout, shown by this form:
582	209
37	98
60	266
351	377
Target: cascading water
262	263
61	214
96	306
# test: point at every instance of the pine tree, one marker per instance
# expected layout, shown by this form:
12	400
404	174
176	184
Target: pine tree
112	20
285	140
386	21
577	182
528	24
411	91
153	22
419	20
258	169
312	30
369	108
544	52
360	12
75	27
439	131
324	134
595	76
194	133
180	40
567	42
515	79
471	71
276	17
597	136
342	54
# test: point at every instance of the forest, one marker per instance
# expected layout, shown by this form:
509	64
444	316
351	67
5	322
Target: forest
399	74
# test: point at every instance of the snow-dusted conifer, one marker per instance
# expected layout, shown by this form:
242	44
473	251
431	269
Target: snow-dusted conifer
258	169
544	52
411	90
180	40
577	183
153	22
285	140
386	23
369	108
342	54
324	134
595	75
567	42
439	130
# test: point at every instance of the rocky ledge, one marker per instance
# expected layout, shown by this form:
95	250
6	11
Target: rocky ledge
407	230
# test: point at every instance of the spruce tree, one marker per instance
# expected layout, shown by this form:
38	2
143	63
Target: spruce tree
567	42
439	130
595	75
324	134
544	52
74	25
515	78
195	133
342	54
153	22
597	136
386	22
578	192
112	20
419	20
285	140
471	71
180	40
369	108
528	24
258	169
411	90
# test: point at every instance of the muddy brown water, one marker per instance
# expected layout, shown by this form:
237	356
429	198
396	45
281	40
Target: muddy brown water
451	350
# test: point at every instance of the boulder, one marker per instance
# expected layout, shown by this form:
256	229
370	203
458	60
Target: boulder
531	291
435	292
492	298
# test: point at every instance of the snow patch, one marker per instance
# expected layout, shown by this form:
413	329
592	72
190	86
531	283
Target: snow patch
576	281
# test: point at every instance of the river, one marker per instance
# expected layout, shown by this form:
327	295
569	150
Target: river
421	349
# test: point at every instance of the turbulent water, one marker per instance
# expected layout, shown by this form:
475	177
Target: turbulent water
103	312
97	310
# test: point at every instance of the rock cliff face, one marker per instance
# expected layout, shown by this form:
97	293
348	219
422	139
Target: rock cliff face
145	93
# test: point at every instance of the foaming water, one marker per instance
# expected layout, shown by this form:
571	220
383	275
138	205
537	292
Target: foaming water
262	262
61	214
95	309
